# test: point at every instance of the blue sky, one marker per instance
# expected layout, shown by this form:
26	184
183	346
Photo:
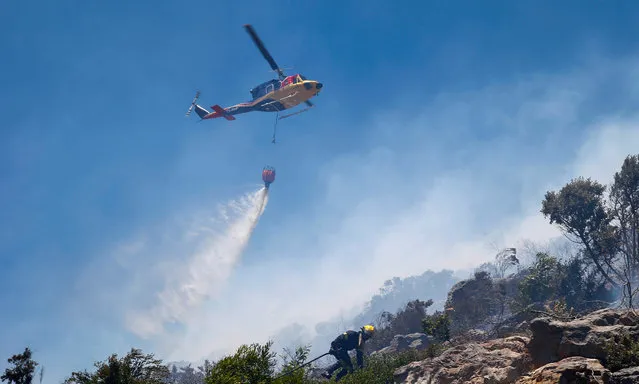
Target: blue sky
442	118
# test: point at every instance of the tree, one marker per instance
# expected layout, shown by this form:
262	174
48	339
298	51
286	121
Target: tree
624	211
608	231
579	210
134	368
252	364
23	368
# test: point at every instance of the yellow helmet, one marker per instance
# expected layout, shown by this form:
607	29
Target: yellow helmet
368	330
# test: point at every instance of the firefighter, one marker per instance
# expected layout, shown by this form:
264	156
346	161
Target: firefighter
345	342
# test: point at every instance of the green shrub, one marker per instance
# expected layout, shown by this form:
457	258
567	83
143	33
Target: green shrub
622	351
379	369
291	372
437	325
136	367
252	364
542	282
572	286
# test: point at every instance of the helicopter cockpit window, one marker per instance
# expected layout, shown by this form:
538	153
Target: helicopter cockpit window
302	77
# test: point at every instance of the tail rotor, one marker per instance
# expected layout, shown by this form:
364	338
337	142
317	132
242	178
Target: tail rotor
197	96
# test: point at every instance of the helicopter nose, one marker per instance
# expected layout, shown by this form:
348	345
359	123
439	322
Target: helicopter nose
319	86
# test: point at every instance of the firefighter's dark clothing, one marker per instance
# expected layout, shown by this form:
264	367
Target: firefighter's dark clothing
343	343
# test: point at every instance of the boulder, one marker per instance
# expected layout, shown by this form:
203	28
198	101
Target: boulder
481	302
626	376
476	335
470	302
554	340
497	361
401	343
569	370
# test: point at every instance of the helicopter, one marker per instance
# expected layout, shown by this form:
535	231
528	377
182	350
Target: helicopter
270	96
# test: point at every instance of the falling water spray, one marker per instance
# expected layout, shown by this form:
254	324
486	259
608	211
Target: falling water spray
207	268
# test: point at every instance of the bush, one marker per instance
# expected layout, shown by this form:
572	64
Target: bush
291	372
622	351
379	369
253	364
437	325
542	282
571	284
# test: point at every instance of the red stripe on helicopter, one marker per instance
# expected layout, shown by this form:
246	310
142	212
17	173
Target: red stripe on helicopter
220	112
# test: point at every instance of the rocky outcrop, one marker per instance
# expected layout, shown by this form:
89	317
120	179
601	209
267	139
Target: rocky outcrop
559	352
554	340
626	376
569	370
497	361
401	343
470	302
482	303
470	336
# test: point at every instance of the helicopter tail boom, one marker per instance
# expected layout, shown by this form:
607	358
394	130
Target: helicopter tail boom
201	111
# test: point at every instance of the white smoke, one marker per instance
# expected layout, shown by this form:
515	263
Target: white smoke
207	269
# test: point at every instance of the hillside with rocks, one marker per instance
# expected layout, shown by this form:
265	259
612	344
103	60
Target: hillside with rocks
597	347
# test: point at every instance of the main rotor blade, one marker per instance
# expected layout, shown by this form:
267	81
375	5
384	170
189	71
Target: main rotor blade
262	48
